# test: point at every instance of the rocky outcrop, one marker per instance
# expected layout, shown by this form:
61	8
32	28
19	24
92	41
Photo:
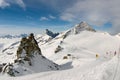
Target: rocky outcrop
50	33
28	46
29	59
58	49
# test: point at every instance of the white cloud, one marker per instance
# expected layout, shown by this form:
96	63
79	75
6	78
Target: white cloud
67	17
21	3
3	4
44	19
52	17
96	12
58	5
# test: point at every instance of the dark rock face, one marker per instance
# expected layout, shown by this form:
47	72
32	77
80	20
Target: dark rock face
50	33
29	46
26	50
59	48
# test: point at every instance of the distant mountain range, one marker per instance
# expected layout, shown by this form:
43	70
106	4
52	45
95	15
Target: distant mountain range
13	36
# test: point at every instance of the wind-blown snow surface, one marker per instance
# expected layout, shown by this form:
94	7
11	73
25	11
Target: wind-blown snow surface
94	71
82	64
6	44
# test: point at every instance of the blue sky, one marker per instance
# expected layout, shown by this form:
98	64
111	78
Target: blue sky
26	16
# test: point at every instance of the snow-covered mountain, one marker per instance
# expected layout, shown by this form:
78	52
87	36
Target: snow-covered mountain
28	59
82	53
83	26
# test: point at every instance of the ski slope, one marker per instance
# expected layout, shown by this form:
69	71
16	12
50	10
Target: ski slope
82	63
94	70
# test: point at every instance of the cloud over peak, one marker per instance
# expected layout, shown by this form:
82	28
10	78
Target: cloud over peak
95	12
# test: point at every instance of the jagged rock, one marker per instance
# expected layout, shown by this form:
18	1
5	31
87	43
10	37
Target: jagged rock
28	46
1	66
50	33
29	59
59	48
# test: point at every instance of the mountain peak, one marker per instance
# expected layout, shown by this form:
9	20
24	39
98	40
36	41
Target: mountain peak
83	22
83	26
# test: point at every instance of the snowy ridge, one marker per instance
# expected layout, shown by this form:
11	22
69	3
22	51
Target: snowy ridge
39	64
83	26
42	39
82	53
